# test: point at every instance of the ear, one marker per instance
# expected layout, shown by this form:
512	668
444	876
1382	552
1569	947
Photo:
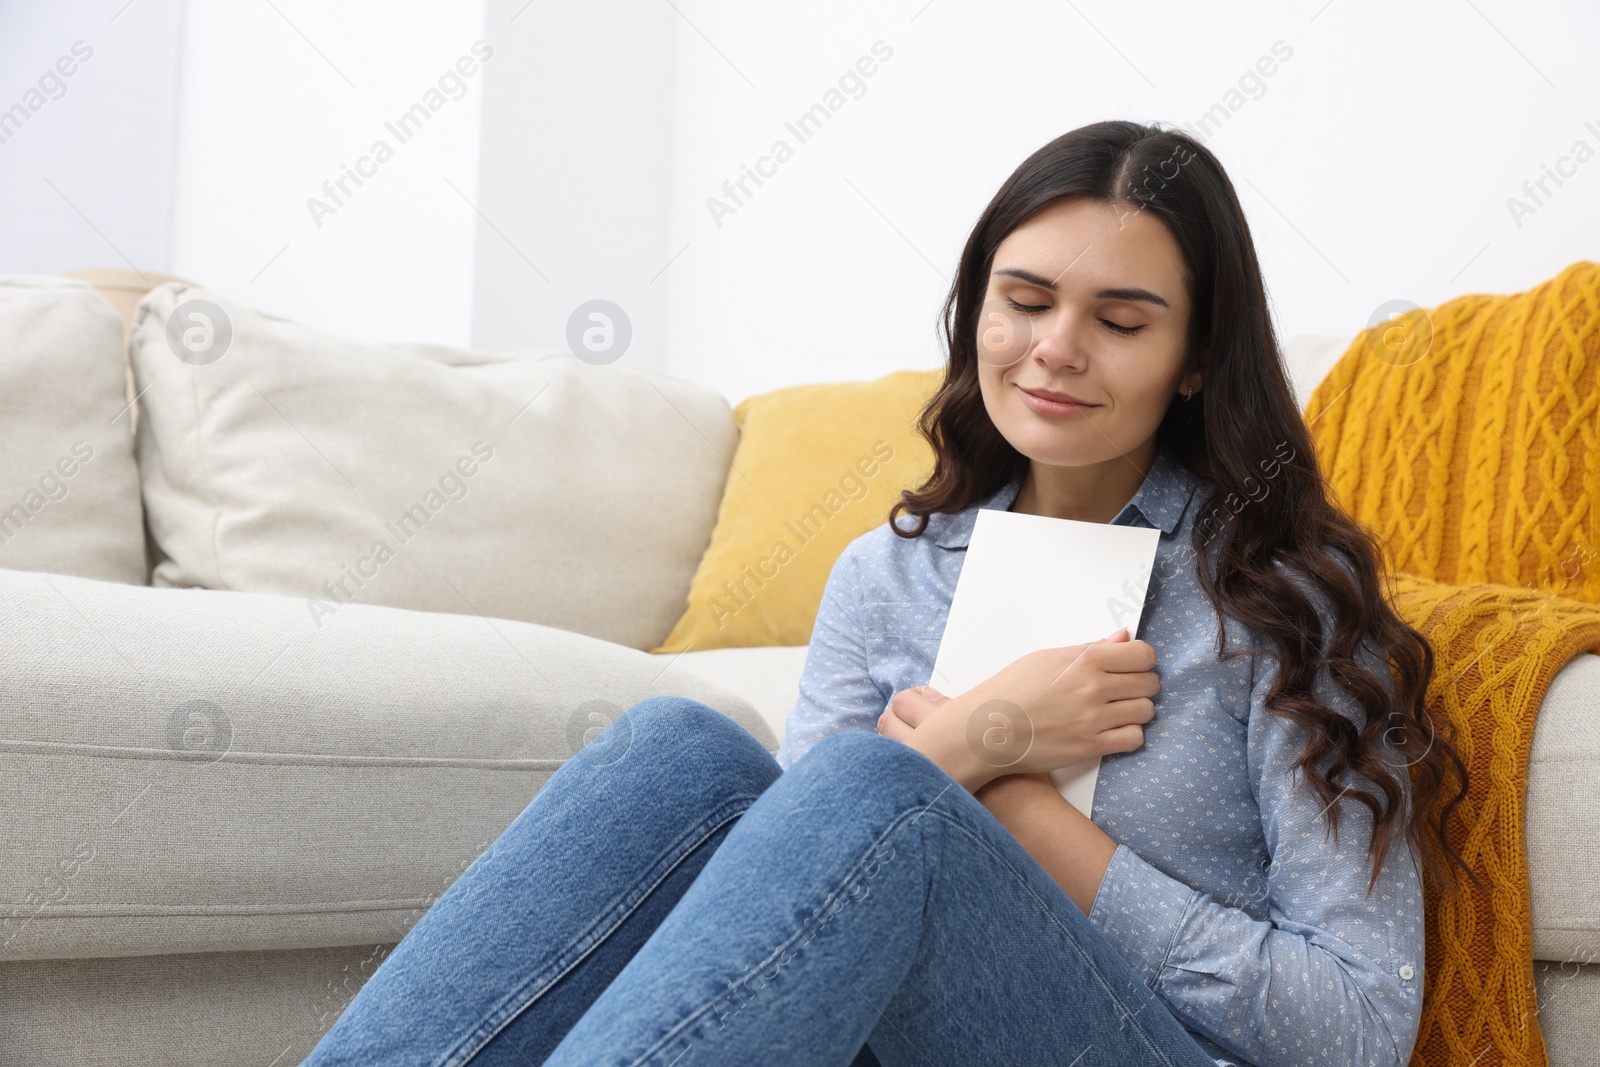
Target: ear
1198	363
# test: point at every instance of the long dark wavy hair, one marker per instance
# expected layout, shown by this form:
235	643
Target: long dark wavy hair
1246	393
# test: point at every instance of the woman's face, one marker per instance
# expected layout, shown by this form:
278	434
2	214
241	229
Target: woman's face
1085	299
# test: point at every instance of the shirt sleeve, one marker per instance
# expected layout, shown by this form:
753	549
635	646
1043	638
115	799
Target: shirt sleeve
837	692
1332	976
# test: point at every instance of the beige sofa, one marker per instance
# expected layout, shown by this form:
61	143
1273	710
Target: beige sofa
228	786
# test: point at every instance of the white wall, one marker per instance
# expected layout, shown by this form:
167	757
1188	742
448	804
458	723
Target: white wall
1375	163
86	163
575	193
279	99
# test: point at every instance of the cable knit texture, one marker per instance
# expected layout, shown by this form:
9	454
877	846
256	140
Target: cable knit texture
1467	437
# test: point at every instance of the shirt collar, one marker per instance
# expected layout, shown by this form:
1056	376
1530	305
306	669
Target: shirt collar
1160	501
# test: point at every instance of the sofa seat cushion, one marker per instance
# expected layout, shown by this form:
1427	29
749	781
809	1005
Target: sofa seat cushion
188	770
278	458
768	678
69	489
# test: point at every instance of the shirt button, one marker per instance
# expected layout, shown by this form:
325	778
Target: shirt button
1406	972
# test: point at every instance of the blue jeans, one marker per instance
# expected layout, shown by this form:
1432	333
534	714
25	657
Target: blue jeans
672	897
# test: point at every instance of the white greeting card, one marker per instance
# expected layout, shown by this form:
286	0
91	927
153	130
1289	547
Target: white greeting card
1032	582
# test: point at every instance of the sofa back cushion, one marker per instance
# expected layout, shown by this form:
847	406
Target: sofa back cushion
278	458
123	289
819	466
69	490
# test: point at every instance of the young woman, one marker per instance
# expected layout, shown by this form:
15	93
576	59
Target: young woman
904	885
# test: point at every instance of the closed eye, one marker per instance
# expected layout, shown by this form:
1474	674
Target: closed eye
1033	309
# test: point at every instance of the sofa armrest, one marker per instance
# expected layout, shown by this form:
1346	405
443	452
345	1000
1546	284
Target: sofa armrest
1562	810
192	771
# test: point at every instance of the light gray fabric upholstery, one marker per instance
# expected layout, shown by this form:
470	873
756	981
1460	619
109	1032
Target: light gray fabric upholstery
187	770
223	1009
535	487
1562	816
769	678
69	489
1569	1012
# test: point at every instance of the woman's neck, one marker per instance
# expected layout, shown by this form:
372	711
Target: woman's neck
1092	493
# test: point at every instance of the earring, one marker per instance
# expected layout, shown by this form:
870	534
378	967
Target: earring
1189	393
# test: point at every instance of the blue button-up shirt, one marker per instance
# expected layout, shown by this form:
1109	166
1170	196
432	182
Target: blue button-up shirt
1222	894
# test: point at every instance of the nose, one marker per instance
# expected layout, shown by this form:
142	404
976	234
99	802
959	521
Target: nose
1056	341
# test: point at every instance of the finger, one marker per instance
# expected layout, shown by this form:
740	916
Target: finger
1127	685
1124	738
1133	710
914	705
1118	656
931	699
1106	654
890	725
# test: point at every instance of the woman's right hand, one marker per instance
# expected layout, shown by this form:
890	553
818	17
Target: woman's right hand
1048	709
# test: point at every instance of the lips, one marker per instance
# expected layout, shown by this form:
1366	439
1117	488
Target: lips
1060	398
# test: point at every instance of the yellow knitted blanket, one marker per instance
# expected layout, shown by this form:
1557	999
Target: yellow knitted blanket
1467	438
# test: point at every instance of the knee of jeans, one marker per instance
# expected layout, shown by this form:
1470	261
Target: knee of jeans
711	744
866	762
676	713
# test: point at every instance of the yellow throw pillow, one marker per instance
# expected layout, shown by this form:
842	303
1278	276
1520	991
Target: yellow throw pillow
817	466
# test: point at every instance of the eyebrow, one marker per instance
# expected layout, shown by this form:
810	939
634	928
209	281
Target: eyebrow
1105	294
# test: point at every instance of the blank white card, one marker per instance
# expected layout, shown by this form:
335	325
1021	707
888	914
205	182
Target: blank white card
1031	582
